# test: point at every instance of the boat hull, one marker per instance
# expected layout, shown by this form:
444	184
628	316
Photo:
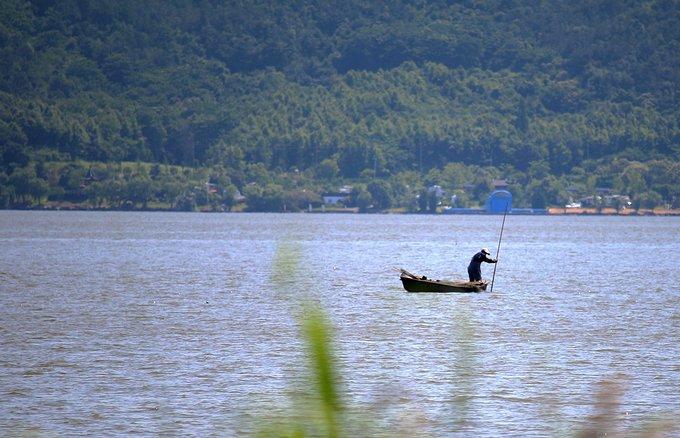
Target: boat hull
412	284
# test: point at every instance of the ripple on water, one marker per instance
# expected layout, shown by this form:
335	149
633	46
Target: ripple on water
188	324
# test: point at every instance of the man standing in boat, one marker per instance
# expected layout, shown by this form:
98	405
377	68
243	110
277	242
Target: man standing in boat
475	266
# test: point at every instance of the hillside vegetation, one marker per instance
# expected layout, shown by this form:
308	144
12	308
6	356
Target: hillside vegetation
559	97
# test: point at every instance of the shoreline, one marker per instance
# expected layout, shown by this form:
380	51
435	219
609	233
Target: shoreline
551	211
561	211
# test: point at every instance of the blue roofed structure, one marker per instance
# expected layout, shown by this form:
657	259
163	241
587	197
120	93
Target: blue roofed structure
498	201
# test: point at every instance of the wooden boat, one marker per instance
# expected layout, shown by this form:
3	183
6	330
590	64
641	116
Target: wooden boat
414	283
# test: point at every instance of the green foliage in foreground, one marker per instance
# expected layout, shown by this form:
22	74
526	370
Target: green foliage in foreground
320	408
324	413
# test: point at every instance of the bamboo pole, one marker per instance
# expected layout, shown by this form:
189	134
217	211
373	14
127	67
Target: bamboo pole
498	249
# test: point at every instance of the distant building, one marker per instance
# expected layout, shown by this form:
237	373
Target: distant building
339	196
499	201
332	198
436	190
500	184
588	201
89	178
238	197
605	200
211	187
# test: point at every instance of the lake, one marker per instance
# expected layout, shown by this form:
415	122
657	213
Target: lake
117	323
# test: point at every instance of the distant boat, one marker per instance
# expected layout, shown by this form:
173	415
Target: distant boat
414	283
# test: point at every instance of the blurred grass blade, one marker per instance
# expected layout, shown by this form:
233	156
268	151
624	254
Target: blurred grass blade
318	342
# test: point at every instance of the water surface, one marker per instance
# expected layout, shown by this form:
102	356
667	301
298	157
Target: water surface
148	323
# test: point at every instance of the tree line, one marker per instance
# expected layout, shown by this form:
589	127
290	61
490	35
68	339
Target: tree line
49	182
345	89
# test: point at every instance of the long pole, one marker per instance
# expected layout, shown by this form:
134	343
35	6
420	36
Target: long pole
498	249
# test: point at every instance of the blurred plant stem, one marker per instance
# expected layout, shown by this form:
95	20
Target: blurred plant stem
318	411
286	266
317	334
607	418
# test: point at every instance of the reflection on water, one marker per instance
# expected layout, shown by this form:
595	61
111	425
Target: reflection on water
151	323
286	264
464	368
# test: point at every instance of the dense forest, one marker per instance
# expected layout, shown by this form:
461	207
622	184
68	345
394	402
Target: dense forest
180	103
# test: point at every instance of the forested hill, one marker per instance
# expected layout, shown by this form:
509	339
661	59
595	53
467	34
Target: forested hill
387	87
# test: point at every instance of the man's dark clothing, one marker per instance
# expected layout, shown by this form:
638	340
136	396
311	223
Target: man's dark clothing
475	269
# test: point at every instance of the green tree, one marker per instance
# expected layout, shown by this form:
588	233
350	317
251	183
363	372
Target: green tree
28	188
6	191
328	169
381	193
268	198
364	200
138	190
649	199
423	200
